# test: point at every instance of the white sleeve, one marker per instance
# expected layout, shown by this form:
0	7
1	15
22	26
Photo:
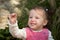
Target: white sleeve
50	37
16	32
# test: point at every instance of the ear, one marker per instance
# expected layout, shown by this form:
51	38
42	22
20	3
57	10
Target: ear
45	22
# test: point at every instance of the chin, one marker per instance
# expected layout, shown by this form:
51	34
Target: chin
34	28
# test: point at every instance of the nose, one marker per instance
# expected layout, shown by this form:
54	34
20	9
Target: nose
33	20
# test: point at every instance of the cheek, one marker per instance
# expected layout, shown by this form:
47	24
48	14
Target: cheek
40	21
28	21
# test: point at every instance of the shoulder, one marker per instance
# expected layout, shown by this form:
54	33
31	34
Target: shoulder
46	30
50	37
50	34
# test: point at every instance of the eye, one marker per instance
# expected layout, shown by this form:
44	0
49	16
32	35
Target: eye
37	17
30	17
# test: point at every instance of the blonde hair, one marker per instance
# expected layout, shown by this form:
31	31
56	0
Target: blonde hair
41	9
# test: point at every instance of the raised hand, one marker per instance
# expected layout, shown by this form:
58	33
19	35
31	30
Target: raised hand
13	18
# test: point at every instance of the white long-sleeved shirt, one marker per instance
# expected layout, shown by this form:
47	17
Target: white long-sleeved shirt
21	33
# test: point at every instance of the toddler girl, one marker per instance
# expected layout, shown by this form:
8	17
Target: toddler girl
36	23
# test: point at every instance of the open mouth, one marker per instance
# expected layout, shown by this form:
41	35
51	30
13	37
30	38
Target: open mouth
33	24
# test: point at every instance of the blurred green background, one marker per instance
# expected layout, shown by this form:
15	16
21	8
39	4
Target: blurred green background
53	7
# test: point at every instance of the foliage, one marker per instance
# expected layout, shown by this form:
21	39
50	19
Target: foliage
5	35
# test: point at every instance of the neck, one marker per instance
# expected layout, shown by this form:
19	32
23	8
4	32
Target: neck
38	29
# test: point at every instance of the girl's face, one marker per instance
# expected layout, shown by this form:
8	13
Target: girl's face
36	20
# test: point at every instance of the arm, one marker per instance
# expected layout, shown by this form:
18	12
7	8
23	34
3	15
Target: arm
13	27
15	31
50	37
